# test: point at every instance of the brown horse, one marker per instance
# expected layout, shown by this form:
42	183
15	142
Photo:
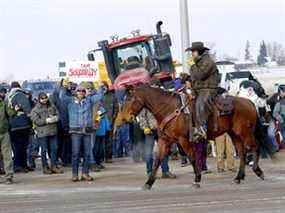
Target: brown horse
242	126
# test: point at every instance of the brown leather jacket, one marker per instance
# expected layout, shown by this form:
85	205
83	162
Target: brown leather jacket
204	73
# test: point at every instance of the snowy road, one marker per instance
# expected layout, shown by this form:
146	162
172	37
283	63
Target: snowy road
118	189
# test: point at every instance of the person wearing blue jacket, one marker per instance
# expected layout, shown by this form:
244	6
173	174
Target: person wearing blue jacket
100	139
64	142
80	113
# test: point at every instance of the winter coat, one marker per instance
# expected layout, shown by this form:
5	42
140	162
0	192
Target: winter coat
204	73
58	100
100	119
279	111
120	95
19	120
39	116
4	125
111	106
104	127
272	101
80	112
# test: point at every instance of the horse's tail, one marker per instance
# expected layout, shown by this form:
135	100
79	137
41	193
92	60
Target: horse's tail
262	137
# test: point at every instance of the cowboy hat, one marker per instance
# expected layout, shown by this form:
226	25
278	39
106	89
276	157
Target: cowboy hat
198	45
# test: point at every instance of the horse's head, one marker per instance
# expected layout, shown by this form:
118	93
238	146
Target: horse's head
133	104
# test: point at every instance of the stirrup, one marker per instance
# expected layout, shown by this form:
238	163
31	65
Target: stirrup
199	133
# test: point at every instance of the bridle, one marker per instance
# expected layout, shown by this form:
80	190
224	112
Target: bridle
168	118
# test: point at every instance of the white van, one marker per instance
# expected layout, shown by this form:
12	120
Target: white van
231	80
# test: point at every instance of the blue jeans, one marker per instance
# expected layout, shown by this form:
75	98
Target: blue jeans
98	149
79	140
149	144
33	149
64	148
1	164
271	135
122	145
92	157
45	142
20	141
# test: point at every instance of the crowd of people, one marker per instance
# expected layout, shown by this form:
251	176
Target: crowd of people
81	125
63	126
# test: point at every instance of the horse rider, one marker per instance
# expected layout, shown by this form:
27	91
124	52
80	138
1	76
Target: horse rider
205	80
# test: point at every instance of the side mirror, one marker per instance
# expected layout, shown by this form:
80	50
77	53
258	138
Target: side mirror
91	57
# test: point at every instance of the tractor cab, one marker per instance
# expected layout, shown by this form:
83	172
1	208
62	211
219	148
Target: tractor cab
151	52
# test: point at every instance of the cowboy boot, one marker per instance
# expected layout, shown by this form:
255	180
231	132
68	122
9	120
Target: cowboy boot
9	179
87	177
56	170
2	171
94	168
168	175
108	161
75	178
100	166
46	170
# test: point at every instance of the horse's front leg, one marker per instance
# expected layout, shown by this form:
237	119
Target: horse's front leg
196	170
189	149
163	150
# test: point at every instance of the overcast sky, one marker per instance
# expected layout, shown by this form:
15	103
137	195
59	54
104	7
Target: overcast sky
36	34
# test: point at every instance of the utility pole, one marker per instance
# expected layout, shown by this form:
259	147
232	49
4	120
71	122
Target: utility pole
184	28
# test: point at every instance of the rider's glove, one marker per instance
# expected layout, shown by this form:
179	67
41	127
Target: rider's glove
191	61
147	131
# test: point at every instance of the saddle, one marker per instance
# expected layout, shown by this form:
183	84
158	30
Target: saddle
224	104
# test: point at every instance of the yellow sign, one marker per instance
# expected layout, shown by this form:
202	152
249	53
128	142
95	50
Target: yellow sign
103	73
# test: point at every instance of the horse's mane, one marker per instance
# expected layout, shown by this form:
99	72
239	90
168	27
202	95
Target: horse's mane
162	91
166	94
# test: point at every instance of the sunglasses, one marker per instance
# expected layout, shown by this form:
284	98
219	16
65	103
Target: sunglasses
81	91
44	98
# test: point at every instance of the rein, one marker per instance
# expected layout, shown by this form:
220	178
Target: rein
168	118
172	116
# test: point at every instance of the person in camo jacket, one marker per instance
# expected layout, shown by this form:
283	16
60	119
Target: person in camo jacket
45	117
5	143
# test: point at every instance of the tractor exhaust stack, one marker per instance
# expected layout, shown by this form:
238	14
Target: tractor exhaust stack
158	27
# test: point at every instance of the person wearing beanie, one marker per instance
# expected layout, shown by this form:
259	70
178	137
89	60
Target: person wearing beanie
45	117
18	109
80	111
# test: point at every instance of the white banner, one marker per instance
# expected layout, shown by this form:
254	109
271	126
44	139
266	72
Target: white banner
78	71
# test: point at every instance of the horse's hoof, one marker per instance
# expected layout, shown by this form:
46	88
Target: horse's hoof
196	185
262	177
146	187
237	181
